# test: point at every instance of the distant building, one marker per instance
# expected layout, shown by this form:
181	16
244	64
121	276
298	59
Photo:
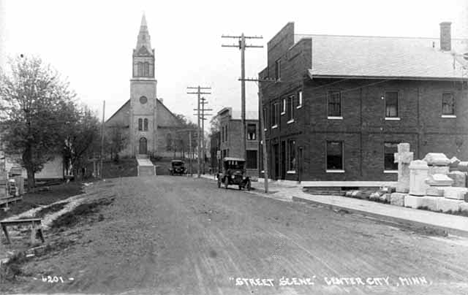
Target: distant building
215	150
230	143
144	124
339	105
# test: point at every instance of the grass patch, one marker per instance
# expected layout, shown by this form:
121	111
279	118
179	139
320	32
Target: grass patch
73	217
39	198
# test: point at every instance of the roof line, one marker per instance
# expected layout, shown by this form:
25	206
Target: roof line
128	101
373	36
388	77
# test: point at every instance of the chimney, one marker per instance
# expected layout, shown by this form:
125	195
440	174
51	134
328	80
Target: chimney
445	36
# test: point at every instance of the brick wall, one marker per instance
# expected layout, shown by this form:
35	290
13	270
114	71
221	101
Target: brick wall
363	128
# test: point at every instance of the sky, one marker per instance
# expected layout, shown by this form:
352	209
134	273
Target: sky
90	43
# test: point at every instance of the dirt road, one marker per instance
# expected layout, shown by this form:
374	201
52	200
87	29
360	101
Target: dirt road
174	235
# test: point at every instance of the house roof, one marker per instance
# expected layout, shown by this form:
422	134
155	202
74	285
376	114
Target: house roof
385	57
237	115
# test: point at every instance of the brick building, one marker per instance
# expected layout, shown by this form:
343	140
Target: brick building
230	144
339	105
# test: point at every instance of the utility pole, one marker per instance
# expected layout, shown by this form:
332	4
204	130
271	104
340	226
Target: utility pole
242	46
202	118
102	135
199	93
262	127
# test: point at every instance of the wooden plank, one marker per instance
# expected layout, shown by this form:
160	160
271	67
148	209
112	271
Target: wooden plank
21	221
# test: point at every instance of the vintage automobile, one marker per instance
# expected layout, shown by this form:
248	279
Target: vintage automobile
234	173
177	167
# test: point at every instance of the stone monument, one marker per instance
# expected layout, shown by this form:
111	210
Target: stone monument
403	158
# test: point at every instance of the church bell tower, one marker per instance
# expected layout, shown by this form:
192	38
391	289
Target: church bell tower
143	123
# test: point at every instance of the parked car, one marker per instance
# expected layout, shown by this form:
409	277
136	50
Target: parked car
234	173
177	167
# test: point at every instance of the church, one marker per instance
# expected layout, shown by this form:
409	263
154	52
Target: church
143	126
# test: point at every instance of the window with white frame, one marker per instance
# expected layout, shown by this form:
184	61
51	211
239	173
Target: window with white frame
390	148
299	99
251	131
290	108
274	114
334	103
335	155
391	104
278	69
448	104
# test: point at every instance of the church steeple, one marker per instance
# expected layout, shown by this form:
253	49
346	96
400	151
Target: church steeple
143	54
144	39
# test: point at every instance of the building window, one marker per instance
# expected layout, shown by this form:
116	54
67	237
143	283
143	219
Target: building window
448	104
146	124
334	103
390	148
278	69
226	133
274	114
251	159
391	104
283	106
291	156
265	119
251	131
299	99
140	124
334	155
290	111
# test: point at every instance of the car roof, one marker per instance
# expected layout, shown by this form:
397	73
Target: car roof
233	159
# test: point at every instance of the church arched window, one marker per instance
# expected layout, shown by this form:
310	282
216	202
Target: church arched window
146	69
140	124
140	69
146	124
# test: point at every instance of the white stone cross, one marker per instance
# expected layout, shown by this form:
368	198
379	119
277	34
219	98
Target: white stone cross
403	158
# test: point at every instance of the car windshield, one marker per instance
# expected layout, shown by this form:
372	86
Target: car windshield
177	164
234	165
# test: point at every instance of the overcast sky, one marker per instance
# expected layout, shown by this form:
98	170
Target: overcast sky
90	42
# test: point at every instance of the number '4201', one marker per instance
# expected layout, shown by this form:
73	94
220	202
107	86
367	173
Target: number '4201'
52	279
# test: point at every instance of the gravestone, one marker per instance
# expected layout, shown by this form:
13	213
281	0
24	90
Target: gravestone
436	159
439	180
403	158
463	166
459	178
418	176
454	162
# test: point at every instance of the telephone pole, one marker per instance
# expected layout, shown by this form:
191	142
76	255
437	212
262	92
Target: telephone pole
262	127
242	46
199	93
202	118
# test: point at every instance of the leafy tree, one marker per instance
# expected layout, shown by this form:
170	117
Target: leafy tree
35	108
116	139
181	139
81	140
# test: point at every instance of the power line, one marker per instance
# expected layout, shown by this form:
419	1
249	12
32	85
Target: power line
199	92
242	46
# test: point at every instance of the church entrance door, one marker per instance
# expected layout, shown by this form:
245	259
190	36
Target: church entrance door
143	146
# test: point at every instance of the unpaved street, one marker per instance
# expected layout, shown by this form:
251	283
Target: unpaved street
175	235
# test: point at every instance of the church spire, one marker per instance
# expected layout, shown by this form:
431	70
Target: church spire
144	38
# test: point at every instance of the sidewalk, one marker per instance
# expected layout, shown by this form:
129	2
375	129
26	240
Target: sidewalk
453	224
